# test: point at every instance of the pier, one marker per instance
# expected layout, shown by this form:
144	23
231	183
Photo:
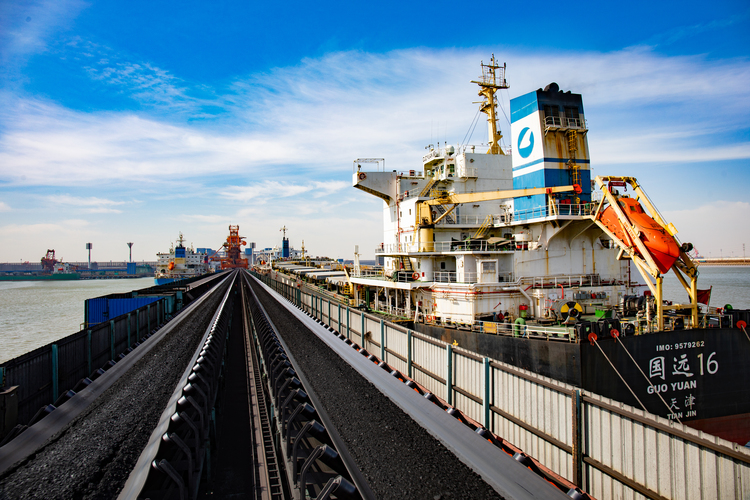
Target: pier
251	385
724	261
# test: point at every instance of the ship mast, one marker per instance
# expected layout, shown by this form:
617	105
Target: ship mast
492	79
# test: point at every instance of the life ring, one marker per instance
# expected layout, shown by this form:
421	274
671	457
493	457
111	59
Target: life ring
415	276
362	176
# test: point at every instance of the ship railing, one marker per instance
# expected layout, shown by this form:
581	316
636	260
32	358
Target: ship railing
370	273
441	246
556	281
565	122
528	331
467	172
561	209
469	277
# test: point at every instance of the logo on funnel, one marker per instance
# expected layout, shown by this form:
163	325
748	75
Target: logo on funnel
525	151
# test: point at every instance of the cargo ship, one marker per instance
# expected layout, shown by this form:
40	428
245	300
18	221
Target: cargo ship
180	263
52	270
520	254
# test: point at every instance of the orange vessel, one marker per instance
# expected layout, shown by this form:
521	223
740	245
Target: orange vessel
660	244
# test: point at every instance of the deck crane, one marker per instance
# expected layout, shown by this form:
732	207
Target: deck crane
426	220
648	241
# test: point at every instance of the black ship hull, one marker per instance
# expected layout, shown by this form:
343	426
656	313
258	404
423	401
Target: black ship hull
702	375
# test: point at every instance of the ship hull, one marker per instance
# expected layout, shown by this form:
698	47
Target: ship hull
164	281
701	374
41	277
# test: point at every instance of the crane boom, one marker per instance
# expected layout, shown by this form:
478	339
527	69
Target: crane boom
459	198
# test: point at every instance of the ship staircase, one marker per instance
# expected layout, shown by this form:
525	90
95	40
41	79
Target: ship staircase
430	184
575	170
484	227
405	270
441	214
405	264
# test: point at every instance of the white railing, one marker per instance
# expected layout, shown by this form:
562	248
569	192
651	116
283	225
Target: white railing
556	281
518	330
464	171
562	209
370	273
440	246
565	122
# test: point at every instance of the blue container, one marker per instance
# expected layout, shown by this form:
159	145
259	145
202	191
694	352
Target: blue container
103	309
131	268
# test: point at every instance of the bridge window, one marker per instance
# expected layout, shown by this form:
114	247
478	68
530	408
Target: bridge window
571	112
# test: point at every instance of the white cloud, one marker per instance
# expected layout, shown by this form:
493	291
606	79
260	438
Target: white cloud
89	205
285	146
315	118
4	207
266	190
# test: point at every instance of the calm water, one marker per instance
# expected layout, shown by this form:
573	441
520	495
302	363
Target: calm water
35	313
731	285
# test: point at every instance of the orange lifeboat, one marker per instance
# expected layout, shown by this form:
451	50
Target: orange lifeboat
660	244
170	266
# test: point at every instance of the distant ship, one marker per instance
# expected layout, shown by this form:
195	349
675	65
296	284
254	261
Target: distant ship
180	263
52	270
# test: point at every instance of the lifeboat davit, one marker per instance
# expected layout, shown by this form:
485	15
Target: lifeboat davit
660	244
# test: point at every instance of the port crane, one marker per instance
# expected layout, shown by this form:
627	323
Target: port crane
232	258
49	261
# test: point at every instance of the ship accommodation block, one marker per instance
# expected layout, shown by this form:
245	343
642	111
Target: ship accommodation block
459	278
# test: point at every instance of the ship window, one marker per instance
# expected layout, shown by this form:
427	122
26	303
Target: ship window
410	211
551	111
488	267
442	265
571	112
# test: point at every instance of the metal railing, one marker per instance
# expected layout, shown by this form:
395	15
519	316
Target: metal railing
444	246
556	281
528	331
49	372
564	122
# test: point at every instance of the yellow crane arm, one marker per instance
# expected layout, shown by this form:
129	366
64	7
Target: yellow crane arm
499	195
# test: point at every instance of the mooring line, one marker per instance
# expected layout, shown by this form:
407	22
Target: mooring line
669	408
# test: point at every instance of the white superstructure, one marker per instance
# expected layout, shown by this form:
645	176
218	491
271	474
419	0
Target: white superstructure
180	263
456	250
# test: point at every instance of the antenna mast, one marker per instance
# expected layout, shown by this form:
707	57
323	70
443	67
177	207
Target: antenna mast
492	79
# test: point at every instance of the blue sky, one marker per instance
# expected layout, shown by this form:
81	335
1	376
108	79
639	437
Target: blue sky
130	121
